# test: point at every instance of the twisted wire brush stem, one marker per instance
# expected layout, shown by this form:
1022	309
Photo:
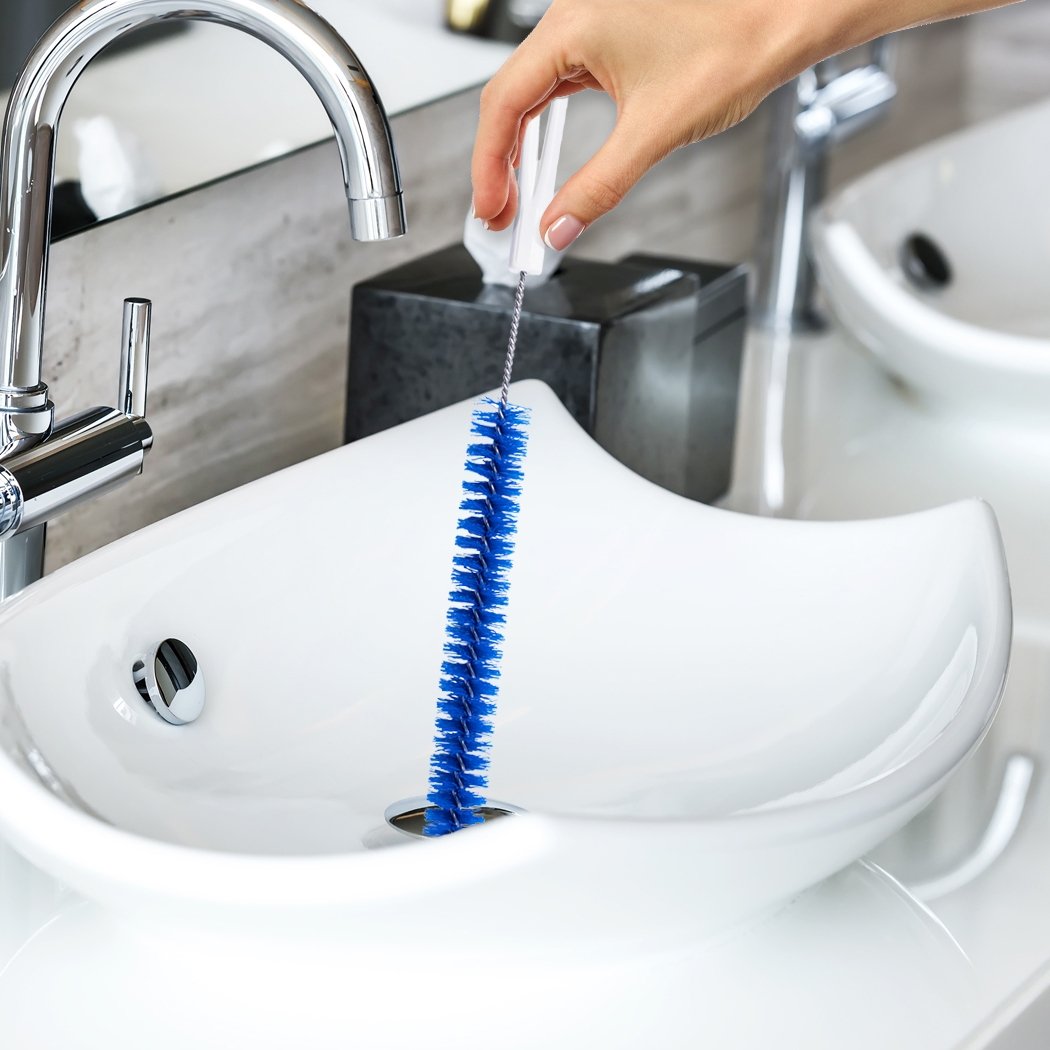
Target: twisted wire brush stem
512	342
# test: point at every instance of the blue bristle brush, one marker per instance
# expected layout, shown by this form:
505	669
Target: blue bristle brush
485	538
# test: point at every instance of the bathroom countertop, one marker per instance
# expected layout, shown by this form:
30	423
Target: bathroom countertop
210	101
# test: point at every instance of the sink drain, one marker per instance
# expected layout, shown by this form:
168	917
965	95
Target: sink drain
924	262
169	680
407	816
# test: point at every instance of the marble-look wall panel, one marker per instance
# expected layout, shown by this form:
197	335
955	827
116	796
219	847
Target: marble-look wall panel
251	276
251	282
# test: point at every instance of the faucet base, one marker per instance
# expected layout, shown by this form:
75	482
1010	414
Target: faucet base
21	561
26	418
807	320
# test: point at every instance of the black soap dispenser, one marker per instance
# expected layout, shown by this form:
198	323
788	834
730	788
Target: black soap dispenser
644	352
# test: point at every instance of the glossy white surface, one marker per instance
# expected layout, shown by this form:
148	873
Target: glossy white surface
983	340
853	962
827	435
211	101
703	712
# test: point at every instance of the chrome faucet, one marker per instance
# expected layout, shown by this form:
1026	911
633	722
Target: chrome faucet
810	114
47	468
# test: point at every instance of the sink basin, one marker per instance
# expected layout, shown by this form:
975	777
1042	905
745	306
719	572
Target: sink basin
979	198
975	820
702	712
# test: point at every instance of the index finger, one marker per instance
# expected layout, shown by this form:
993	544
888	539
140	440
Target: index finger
526	80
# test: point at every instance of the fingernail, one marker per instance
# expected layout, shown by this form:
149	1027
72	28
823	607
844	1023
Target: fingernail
562	232
473	209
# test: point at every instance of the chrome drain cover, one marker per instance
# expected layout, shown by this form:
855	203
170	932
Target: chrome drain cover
170	681
408	816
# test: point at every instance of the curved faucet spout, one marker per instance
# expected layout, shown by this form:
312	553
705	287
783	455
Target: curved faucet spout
340	81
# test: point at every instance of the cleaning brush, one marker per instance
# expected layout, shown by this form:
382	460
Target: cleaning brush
488	520
478	600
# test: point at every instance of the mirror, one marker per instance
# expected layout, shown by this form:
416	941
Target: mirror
24	21
182	104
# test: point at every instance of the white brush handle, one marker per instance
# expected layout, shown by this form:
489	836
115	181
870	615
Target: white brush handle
537	174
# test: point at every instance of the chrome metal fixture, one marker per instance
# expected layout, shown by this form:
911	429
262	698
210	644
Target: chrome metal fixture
45	468
169	679
83	456
811	114
408	815
510	20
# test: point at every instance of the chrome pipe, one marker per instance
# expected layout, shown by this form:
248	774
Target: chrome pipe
342	84
88	454
809	116
795	180
134	356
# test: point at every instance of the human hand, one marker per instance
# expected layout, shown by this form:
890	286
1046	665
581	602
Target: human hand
678	71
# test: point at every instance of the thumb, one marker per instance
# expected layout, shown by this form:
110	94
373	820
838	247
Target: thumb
601	184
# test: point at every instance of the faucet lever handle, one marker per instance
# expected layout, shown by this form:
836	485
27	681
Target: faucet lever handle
134	357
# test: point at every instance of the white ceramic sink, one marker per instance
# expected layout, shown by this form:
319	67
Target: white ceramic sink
702	712
983	339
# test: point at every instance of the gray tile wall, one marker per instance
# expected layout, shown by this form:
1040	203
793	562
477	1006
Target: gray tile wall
251	276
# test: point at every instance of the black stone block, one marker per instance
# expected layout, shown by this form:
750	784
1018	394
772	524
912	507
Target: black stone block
645	354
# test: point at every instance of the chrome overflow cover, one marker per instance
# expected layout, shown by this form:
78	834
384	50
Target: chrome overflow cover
169	680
